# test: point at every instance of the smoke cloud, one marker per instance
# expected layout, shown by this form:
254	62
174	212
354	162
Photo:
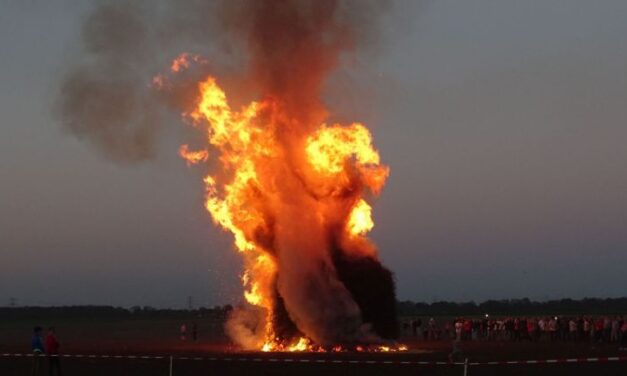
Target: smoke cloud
105	97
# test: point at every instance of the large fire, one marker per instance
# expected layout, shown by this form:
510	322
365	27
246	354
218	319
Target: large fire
326	176
294	189
293	186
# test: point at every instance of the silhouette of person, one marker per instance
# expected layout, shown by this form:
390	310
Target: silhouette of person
37	345
194	331
52	350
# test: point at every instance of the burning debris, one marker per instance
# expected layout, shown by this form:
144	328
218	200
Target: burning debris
294	191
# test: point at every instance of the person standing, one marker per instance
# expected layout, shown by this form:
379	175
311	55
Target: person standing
52	350
553	329
615	330
623	339
194	332
598	330
531	329
586	328
467	328
458	329
572	330
37	345
542	329
432	329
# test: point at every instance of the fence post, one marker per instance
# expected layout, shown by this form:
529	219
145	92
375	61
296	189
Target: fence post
466	367
170	365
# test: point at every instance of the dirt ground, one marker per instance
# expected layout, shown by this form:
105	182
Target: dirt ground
217	357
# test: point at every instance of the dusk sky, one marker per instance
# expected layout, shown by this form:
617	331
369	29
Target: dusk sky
504	124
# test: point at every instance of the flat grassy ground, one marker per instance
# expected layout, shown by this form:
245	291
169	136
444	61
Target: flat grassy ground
114	335
160	336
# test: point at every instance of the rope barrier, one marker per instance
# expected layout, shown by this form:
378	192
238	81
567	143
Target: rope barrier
330	361
554	361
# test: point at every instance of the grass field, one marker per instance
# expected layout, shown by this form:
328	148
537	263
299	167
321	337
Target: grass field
149	336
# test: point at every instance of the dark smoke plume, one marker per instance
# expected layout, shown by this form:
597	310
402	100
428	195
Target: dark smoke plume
105	97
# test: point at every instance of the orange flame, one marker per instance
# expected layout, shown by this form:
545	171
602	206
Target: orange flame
182	62
251	144
193	157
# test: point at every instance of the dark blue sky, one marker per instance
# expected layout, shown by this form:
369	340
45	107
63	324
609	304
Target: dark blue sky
504	124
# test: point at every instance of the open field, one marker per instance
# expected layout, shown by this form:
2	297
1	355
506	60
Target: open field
160	337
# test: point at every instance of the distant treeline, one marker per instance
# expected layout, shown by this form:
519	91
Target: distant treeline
516	307
508	307
89	311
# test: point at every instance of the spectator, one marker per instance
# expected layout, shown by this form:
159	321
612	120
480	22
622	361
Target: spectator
194	332
524	333
593	334
607	329
516	329
416	326
623	340
431	329
598	330
531	329
52	350
447	330
572	330
476	327
37	345
467	328
553	329
615	330
562	327
406	326
541	328
458	330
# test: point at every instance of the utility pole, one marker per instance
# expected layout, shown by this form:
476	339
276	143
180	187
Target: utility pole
190	303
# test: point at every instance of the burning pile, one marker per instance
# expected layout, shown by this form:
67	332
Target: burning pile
293	189
294	196
294	192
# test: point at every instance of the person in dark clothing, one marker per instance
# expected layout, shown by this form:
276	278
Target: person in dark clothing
52	350
623	331
524	333
415	327
37	345
517	329
194	332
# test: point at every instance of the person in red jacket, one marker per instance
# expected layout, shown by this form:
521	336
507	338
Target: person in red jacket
52	350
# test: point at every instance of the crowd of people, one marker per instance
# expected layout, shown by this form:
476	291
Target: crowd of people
602	329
